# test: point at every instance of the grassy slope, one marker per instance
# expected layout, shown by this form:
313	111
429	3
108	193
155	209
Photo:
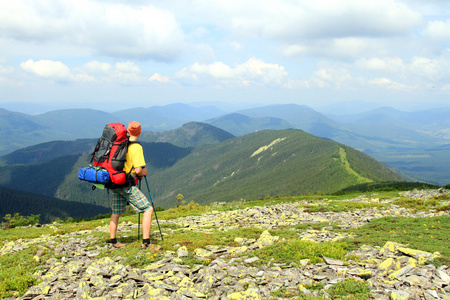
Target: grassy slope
298	163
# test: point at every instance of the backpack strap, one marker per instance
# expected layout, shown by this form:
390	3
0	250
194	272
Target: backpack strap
93	153
133	142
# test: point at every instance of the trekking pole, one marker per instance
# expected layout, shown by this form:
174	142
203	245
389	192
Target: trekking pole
139	216
154	210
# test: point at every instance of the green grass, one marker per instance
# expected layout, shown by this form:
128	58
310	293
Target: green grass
30	233
191	209
340	206
423	204
350	289
16	272
426	234
293	251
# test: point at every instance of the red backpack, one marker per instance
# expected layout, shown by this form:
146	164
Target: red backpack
110	154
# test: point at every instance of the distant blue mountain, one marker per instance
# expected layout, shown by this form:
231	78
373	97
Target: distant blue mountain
301	116
239	124
187	113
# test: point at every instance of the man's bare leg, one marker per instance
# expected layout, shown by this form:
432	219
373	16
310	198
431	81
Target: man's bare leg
147	223
113	223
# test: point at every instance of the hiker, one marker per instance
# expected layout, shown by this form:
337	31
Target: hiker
135	163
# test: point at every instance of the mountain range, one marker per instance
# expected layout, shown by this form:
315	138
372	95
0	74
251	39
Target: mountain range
219	168
414	144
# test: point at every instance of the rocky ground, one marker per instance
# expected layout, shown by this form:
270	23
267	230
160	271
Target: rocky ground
392	271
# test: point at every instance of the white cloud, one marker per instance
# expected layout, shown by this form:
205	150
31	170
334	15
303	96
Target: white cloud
385	64
127	73
107	28
387	83
54	70
127	67
94	71
127	78
418	69
159	78
96	67
290	21
217	70
323	28
330	76
438	30
341	48
84	78
47	69
427	68
266	73
252	72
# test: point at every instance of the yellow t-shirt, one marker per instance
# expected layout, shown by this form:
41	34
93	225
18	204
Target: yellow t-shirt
135	158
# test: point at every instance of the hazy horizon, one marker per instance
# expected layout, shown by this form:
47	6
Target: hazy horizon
339	108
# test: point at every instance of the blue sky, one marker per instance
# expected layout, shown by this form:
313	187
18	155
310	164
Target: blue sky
116	54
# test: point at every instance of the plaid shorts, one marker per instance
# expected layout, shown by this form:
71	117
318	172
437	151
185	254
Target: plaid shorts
133	195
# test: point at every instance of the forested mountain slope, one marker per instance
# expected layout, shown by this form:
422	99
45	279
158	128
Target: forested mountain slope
59	177
49	209
283	162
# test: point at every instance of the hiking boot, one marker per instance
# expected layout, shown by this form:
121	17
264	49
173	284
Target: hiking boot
152	247
116	245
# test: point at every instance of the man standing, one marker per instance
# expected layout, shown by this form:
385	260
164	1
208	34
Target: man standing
135	165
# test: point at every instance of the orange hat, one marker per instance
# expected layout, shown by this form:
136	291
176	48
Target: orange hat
134	128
